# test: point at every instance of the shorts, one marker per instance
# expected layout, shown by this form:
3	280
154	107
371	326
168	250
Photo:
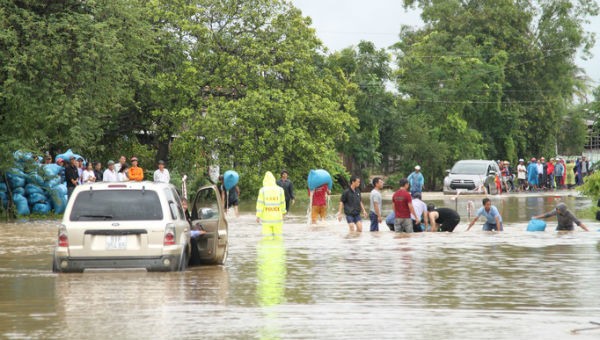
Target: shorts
353	218
318	211
491	226
403	225
234	202
448	226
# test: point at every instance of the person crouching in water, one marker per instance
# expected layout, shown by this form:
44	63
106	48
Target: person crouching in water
564	217
270	206
442	219
492	215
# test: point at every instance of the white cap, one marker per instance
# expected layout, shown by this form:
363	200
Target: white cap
417	167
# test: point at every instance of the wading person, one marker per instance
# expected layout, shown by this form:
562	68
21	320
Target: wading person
375	201
420	212
319	203
403	208
270	206
288	189
491	214
352	206
565	218
442	219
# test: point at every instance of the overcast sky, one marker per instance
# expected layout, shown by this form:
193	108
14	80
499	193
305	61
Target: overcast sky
342	23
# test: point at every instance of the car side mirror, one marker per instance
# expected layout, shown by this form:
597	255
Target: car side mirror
492	173
447	171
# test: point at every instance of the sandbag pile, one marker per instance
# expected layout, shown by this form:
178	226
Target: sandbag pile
35	187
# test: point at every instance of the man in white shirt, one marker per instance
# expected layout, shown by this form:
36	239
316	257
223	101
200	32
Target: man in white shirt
110	174
122	161
522	175
162	175
420	213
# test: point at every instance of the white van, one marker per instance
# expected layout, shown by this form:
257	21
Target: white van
136	225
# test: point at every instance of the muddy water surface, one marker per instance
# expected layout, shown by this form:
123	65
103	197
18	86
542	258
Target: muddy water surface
322	282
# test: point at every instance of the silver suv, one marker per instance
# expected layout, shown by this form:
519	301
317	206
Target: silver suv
138	225
471	176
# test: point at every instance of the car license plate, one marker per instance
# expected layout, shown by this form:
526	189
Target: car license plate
115	242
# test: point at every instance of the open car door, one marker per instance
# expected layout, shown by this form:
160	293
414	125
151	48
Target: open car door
208	213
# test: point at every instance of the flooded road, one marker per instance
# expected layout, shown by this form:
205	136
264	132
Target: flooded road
323	282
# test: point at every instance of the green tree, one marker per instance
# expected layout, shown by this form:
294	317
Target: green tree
369	69
261	94
66	71
495	78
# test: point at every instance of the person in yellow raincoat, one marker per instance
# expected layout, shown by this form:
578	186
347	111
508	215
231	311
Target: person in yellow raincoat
270	206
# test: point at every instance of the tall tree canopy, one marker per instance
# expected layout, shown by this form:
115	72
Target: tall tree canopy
493	78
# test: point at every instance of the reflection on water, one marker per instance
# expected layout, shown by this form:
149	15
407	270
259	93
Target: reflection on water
322	282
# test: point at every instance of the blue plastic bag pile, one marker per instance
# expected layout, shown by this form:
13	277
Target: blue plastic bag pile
35	187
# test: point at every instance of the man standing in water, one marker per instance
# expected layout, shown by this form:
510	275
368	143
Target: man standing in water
403	207
352	206
270	206
375	204
564	217
288	189
493	219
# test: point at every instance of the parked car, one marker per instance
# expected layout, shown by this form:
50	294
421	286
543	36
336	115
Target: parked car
137	225
472	177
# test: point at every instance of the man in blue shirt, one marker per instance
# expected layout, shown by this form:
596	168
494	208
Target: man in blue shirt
492	215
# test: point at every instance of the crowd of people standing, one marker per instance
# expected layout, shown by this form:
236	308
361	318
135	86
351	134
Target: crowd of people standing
76	171
540	175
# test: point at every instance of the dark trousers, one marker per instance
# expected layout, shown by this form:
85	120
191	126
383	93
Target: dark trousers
374	221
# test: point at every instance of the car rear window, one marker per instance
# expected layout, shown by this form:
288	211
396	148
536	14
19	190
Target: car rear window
468	168
117	205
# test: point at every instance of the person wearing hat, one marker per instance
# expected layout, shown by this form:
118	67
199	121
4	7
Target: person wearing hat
564	217
161	175
522	175
135	172
288	189
559	172
416	181
507	176
110	174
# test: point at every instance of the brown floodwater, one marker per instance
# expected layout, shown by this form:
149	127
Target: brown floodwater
323	282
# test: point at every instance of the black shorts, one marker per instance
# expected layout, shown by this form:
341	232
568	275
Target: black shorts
449	226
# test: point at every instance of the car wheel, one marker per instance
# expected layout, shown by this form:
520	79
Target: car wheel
223	258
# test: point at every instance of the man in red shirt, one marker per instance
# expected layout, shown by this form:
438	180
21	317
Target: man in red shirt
319	203
403	209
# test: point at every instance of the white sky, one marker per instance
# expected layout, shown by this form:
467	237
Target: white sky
342	23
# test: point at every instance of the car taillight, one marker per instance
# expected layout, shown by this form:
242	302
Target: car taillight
63	238
169	235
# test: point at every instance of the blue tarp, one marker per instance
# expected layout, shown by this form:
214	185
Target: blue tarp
318	177
230	179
